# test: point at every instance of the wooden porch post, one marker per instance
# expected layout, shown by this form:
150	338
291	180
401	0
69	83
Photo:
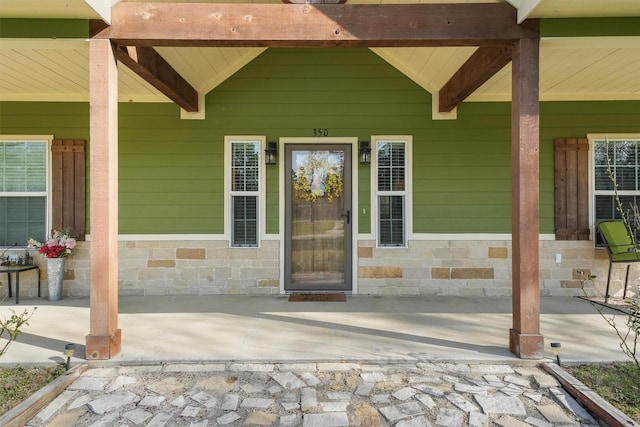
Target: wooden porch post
525	339
103	341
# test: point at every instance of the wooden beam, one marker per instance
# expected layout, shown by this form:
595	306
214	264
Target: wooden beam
104	339
148	64
309	25
480	67
525	339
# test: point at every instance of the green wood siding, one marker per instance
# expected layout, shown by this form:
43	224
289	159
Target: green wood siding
463	181
587	27
44	28
290	92
172	170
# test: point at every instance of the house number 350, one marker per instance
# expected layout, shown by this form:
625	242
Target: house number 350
320	132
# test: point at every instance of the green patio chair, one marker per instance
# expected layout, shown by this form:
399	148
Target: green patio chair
617	239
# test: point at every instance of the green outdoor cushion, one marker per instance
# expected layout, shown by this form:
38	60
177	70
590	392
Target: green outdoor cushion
632	256
617	238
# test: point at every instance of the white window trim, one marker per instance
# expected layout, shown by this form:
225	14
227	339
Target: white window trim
262	143
43	138
408	191
593	138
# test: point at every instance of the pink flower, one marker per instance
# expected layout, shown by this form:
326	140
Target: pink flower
59	245
70	243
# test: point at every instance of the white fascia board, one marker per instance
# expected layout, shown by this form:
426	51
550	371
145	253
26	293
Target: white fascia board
525	8
436	114
103	8
196	115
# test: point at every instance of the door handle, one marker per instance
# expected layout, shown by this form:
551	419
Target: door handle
347	216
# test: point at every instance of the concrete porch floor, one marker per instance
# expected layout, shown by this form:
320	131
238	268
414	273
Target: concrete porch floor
269	328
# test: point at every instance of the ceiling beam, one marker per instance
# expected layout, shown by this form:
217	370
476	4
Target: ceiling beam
480	67
148	64
313	25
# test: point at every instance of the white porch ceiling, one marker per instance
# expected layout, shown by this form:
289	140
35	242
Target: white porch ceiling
593	68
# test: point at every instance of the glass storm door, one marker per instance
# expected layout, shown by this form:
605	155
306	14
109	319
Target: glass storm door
318	217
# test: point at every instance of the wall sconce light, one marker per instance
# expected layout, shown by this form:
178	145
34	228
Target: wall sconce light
271	153
555	346
69	349
365	153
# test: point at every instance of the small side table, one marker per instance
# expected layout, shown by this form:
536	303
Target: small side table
17	269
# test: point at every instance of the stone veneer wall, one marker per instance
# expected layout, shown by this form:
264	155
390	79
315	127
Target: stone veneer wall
455	268
480	268
173	268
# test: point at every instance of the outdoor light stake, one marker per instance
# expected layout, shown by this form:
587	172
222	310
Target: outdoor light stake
68	351
556	350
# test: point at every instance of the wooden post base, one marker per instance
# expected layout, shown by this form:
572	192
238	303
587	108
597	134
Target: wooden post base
103	347
526	346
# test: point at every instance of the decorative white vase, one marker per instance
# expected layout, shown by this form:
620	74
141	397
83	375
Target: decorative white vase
55	277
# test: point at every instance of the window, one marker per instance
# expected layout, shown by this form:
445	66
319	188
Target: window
391	191
622	157
23	190
244	192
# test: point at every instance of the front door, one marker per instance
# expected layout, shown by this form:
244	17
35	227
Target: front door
318	217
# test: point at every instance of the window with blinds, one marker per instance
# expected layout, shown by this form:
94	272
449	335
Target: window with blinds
245	188
23	191
621	157
391	192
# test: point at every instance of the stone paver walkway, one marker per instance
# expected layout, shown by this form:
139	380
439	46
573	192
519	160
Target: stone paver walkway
315	395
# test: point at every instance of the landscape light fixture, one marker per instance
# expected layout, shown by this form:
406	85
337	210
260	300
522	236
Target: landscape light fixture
365	153
556	350
69	349
271	153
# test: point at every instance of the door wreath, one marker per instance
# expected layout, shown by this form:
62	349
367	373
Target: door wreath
316	176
